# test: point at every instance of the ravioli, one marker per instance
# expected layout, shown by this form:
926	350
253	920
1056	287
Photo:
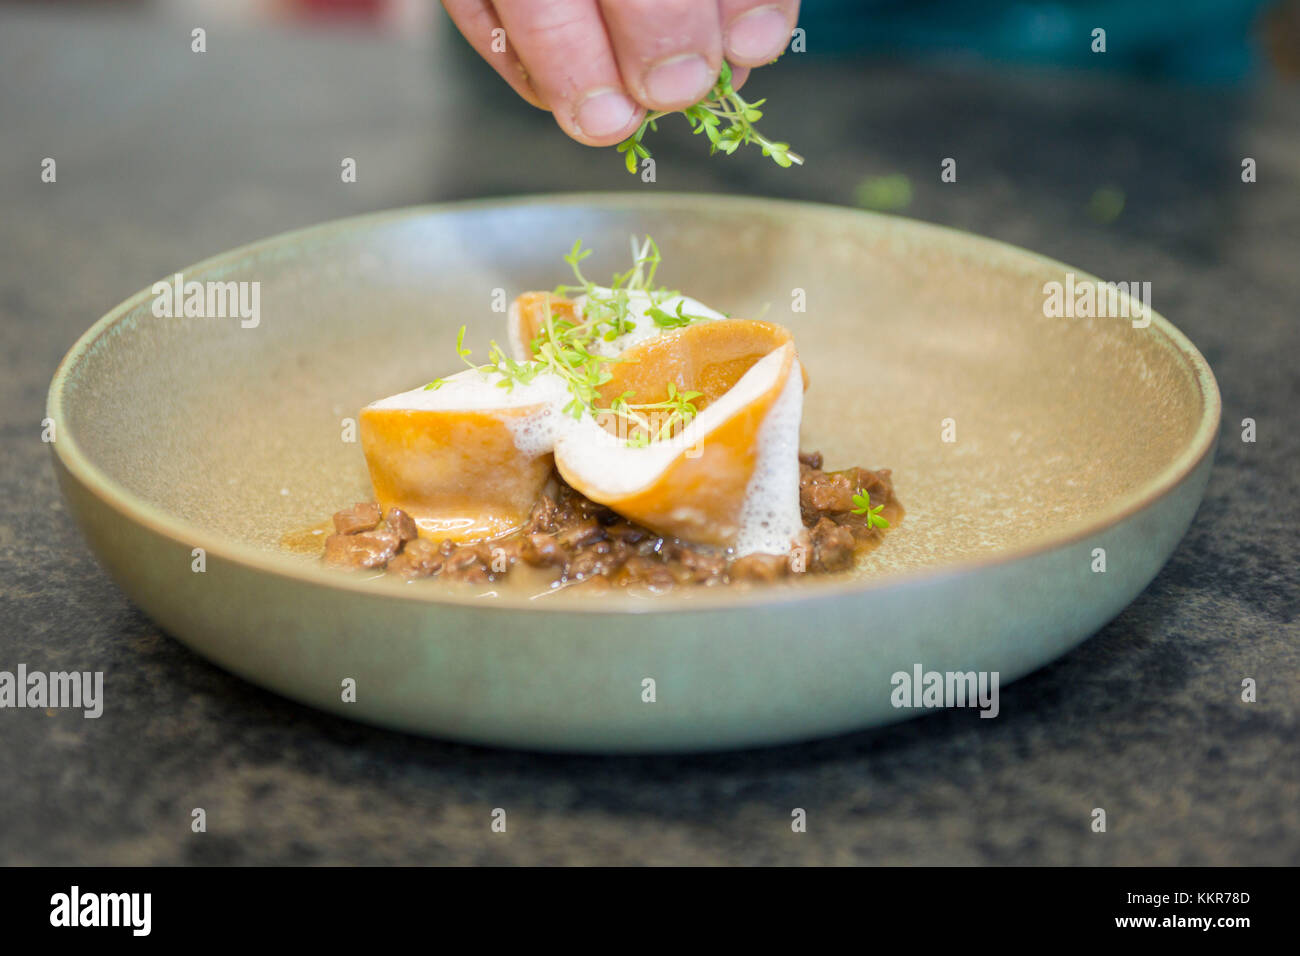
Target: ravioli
645	401
452	458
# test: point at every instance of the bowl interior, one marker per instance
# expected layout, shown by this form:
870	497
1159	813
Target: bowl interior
239	434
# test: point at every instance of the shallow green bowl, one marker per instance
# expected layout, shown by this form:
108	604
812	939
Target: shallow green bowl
1071	435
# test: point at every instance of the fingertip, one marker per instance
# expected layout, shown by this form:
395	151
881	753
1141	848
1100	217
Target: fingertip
677	82
757	36
603	117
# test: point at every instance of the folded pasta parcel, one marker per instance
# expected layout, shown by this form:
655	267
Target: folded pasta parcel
729	476
648	402
464	459
469	459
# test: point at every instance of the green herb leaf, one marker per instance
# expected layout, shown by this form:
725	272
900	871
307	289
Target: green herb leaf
722	103
862	506
563	347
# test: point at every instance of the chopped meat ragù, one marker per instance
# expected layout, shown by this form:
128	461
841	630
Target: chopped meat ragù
575	540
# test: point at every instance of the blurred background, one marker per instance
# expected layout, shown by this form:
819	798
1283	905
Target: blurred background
204	151
1131	158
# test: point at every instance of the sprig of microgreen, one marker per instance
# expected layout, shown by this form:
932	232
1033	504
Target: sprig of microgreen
706	116
643	427
511	371
606	311
564	347
669	320
862	506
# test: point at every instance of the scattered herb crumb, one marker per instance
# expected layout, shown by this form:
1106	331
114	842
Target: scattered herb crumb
1106	204
862	506
884	193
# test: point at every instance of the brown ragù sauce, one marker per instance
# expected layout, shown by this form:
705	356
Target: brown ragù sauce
572	540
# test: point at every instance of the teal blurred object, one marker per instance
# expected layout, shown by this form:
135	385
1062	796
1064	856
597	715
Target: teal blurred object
1197	41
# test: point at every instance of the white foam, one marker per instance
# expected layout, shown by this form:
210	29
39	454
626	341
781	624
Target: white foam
472	390
538	433
770	519
638	303
475	391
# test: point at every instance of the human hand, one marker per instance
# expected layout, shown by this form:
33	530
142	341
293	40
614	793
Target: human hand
599	65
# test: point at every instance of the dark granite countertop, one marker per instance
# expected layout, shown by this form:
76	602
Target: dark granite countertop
165	157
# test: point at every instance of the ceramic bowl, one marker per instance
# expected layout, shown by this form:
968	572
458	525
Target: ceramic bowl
1030	451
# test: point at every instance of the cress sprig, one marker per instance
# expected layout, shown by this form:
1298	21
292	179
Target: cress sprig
862	506
645	428
706	116
564	347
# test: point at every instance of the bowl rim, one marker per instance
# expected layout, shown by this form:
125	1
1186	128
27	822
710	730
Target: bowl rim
133	508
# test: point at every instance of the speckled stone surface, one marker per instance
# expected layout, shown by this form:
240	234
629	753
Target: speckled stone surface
165	157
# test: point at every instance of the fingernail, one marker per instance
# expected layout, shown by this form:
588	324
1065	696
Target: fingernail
679	79
758	35
604	112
